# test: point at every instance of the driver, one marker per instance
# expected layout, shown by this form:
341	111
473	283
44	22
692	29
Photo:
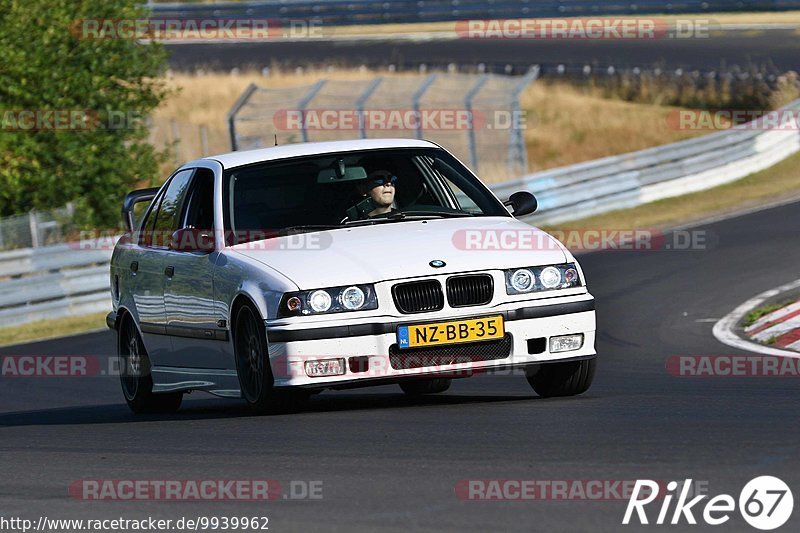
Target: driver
380	187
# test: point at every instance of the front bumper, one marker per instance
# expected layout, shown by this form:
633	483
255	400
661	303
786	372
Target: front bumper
370	343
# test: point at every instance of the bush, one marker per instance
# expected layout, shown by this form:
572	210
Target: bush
113	84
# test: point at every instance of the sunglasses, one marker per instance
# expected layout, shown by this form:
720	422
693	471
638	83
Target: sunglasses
384	180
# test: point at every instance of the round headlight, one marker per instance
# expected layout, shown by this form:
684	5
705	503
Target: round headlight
294	304
522	280
352	298
320	301
550	277
570	275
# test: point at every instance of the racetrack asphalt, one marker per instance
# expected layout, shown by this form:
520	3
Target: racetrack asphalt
389	463
778	50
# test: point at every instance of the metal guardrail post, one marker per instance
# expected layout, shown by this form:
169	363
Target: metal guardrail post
34	229
471	94
517	152
362	101
304	103
417	96
240	103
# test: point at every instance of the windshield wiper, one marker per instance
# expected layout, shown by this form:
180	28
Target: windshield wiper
401	216
309	227
417	214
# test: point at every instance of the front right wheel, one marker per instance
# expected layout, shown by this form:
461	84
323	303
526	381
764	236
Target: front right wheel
253	367
569	378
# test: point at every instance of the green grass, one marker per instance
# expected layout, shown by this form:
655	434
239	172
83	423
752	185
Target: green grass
751	317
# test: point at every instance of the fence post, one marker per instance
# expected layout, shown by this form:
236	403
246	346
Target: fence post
34	227
517	153
418	96
471	94
304	102
240	103
362	101
2	242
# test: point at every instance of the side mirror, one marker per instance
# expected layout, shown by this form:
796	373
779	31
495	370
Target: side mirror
133	198
523	203
192	240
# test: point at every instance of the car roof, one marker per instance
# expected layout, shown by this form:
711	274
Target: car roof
249	157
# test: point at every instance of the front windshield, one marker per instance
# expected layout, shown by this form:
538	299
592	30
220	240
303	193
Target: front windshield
352	188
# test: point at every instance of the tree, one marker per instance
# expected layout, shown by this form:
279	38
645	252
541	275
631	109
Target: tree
52	68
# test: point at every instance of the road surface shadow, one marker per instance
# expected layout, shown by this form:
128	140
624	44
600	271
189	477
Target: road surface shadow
219	408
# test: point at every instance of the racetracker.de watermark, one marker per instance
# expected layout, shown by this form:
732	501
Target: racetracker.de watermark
738	119
193	29
579	240
57	366
586	28
555	489
175	490
442	119
194	239
40	120
733	366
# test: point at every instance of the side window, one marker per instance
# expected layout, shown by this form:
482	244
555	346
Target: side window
465	203
200	204
169	211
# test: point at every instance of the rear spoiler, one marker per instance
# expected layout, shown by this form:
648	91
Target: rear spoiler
133	198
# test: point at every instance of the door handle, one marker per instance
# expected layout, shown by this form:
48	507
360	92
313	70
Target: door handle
135	267
169	271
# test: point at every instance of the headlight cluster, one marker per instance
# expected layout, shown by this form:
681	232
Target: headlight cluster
332	300
546	278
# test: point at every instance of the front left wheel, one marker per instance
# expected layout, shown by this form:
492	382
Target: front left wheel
418	387
135	377
569	378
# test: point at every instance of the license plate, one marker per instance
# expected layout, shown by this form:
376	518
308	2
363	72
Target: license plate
325	367
453	332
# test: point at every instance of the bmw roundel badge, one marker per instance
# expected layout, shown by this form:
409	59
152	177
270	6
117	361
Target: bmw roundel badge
437	263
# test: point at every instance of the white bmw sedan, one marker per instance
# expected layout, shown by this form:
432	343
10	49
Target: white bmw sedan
274	274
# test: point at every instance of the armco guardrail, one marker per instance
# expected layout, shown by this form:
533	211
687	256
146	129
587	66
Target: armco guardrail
53	282
347	12
628	180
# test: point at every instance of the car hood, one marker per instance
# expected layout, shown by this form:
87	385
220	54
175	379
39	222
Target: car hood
396	250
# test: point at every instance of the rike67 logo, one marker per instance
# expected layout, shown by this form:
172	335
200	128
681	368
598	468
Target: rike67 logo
765	503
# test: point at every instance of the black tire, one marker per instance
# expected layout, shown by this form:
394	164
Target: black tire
135	377
253	367
563	379
417	387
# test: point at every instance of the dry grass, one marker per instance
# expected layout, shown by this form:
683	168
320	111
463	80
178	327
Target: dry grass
48	329
202	101
564	124
572	125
